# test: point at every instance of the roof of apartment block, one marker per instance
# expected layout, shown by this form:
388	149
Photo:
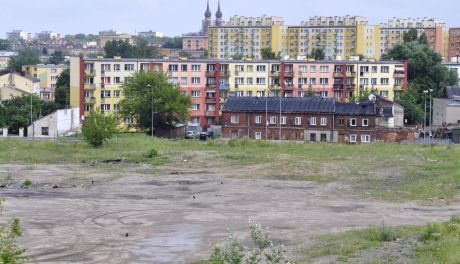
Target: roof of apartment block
147	60
53	66
272	104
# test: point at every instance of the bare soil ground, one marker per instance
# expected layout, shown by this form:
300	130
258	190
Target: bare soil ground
135	213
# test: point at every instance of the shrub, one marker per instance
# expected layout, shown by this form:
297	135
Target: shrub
27	183
10	252
151	153
98	128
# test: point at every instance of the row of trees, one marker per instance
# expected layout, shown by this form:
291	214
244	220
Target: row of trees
141	49
268	54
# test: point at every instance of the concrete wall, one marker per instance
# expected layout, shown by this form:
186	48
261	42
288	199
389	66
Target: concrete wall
443	113
453	114
56	124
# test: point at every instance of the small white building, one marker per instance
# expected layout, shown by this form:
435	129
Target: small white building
63	122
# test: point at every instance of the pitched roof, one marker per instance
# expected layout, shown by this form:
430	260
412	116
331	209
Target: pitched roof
272	104
365	108
451	91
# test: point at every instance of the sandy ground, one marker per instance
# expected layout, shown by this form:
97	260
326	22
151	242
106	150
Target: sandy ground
173	214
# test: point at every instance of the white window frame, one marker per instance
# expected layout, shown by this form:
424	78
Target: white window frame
258	120
353	120
272	120
365	122
234	119
323	121
312	121
365	138
196	67
196	80
298	121
353	138
283	120
258	136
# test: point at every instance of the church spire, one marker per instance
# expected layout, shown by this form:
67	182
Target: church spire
207	14
219	12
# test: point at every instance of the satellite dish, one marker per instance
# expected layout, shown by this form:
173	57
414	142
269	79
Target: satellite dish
372	97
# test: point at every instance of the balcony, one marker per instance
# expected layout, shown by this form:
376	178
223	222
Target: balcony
90	86
338	75
399	74
275	74
398	87
350	86
211	87
224	87
210	100
210	74
90	100
90	72
275	87
289	74
210	113
224	74
337	86
289	87
351	74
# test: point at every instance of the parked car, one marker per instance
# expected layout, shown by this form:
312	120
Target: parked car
191	134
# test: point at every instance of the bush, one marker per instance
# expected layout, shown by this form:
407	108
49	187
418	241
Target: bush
151	153
380	234
99	128
10	252
27	183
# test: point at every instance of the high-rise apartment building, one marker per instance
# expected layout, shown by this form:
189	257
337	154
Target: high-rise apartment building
48	75
97	83
392	33
18	35
454	45
246	37
339	37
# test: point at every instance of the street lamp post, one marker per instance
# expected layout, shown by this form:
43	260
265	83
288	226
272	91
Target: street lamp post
266	114
431	97
280	118
31	117
424	120
151	114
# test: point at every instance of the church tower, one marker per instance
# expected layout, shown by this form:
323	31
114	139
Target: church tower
206	21
219	21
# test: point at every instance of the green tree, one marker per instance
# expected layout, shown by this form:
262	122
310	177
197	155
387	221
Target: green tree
172	43
10	252
57	57
120	48
425	72
410	36
98	128
62	91
364	96
143	49
423	39
45	51
5	44
26	56
310	92
317	54
268	54
170	106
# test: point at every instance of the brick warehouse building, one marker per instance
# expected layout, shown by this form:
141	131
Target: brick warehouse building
311	119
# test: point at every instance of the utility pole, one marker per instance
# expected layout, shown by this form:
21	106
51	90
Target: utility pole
424	120
151	113
431	96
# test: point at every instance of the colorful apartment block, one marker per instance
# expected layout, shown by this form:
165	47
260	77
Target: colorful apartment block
98	82
339	37
48	75
245	37
454	45
437	34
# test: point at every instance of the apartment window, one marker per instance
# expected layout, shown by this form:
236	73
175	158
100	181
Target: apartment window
53	78
324	81
385	69
272	120
195	120
89	80
364	81
173	68
116	107
365	122
105	94
283	120
116	80
87	108
45	131
323	121
116	67
353	122
239	80
105	107
249	93
298	121
261	68
341	121
313	81
105	80
128	121
384	94
384	81
260	81
398	82
313	137
53	70
195	107
258	119
196	68
324	69
323	94
312	121
364	69
374	69
250	81
303	80
323	137
258	136
239	68
173	80
365	138
129	67
183	81
116	93
87	94
105	67
196	80
353	138
183	68
196	94
303	69
373	81
312	69
235	119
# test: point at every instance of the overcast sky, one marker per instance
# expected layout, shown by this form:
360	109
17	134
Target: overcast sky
174	17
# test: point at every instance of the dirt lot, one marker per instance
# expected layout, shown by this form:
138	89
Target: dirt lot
134	213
